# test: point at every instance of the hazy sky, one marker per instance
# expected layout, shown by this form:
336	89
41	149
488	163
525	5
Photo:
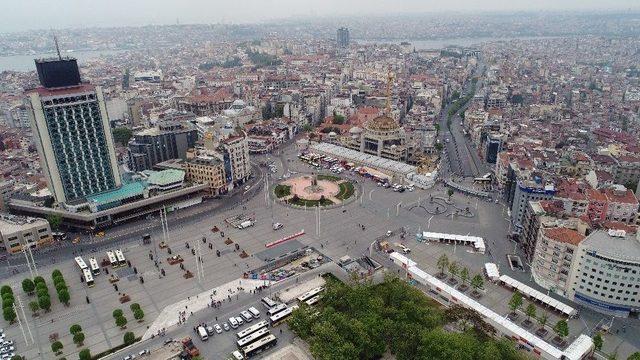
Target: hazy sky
17	15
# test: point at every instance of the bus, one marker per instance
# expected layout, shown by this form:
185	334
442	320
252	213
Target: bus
311	293
259	346
112	259
88	278
252	329
280	317
95	269
314	300
276	309
81	264
253	337
120	258
268	302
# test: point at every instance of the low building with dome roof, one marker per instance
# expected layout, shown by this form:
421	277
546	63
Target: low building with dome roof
382	136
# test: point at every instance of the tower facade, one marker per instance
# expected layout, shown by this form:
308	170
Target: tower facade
343	37
72	132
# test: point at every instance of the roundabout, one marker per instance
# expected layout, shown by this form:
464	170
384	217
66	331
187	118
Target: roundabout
314	190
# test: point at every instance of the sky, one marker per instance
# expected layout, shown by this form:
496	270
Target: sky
20	15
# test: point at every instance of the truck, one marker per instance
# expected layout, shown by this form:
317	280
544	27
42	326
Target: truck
245	224
189	350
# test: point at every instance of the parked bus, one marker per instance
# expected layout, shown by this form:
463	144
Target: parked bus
280	317
112	259
268	302
276	309
259	346
95	269
88	278
252	329
253	337
120	258
314	300
81	264
311	293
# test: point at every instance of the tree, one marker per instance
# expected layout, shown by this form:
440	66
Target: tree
63	296
54	221
561	328
439	146
450	192
28	286
307	128
453	268
8	302
34	307
78	338
543	319
6	289
634	356
121	321
134	306
85	354
598	341
56	347
39	280
129	338
117	313
122	135
41	287
45	303
530	311
443	263
8	314
464	275
516	301
61	286
56	273
477	282
138	314
75	328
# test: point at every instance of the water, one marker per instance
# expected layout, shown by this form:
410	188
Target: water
25	62
437	44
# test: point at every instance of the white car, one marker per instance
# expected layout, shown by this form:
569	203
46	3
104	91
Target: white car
405	250
217	328
277	226
239	321
144	352
225	326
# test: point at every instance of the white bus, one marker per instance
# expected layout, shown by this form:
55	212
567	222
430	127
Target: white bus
120	258
276	309
314	300
88	278
81	264
252	329
278	318
95	269
268	302
259	346
112	259
253	337
311	293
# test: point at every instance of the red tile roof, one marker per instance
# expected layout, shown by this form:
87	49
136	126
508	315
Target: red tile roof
564	235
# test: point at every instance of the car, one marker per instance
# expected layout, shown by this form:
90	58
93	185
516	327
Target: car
237	355
168	341
405	250
144	352
217	328
246	316
225	326
239	321
389	233
129	357
247	188
6	348
277	226
209	329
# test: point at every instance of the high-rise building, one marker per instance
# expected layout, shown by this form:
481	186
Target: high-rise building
169	140
72	132
343	37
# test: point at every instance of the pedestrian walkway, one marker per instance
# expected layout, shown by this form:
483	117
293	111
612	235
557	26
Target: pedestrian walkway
177	313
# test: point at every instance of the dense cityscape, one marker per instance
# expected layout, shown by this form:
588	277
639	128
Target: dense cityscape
297	189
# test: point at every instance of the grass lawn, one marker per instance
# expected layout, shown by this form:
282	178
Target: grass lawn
282	191
309	203
346	191
328	178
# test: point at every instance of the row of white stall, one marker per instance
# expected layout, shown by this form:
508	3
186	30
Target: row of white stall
581	347
475	241
532	293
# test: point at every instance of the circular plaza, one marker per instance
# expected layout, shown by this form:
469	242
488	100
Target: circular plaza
314	190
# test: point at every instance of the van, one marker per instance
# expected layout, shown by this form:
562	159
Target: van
203	333
246	316
239	320
233	322
237	356
254	312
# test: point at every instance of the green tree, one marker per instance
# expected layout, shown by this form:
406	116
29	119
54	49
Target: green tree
78	338
134	306
28	286
477	282
75	328
122	135
634	356
561	328
439	146
450	192
6	289
121	322
129	338
117	313
516	301
598	341
84	354
54	221
7	302
56	347
453	268
33	305
56	273
39	280
63	296
464	275
8	314
544	318
45	303
41	287
443	263
61	286
138	314
530	311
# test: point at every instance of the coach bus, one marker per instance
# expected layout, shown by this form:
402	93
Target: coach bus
259	346
88	278
95	269
253	337
112	259
248	331
309	294
120	258
268	302
81	264
280	317
314	300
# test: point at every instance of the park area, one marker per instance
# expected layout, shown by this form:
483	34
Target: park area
314	190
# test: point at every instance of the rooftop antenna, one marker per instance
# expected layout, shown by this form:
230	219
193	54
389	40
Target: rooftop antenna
55	40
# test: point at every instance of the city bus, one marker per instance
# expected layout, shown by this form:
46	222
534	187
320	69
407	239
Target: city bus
268	302
112	259
248	331
314	300
120	258
95	269
81	264
280	317
311	293
88	278
276	309
259	346
253	337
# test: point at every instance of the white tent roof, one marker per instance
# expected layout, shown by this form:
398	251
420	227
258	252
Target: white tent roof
531	292
492	270
478	242
364	159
